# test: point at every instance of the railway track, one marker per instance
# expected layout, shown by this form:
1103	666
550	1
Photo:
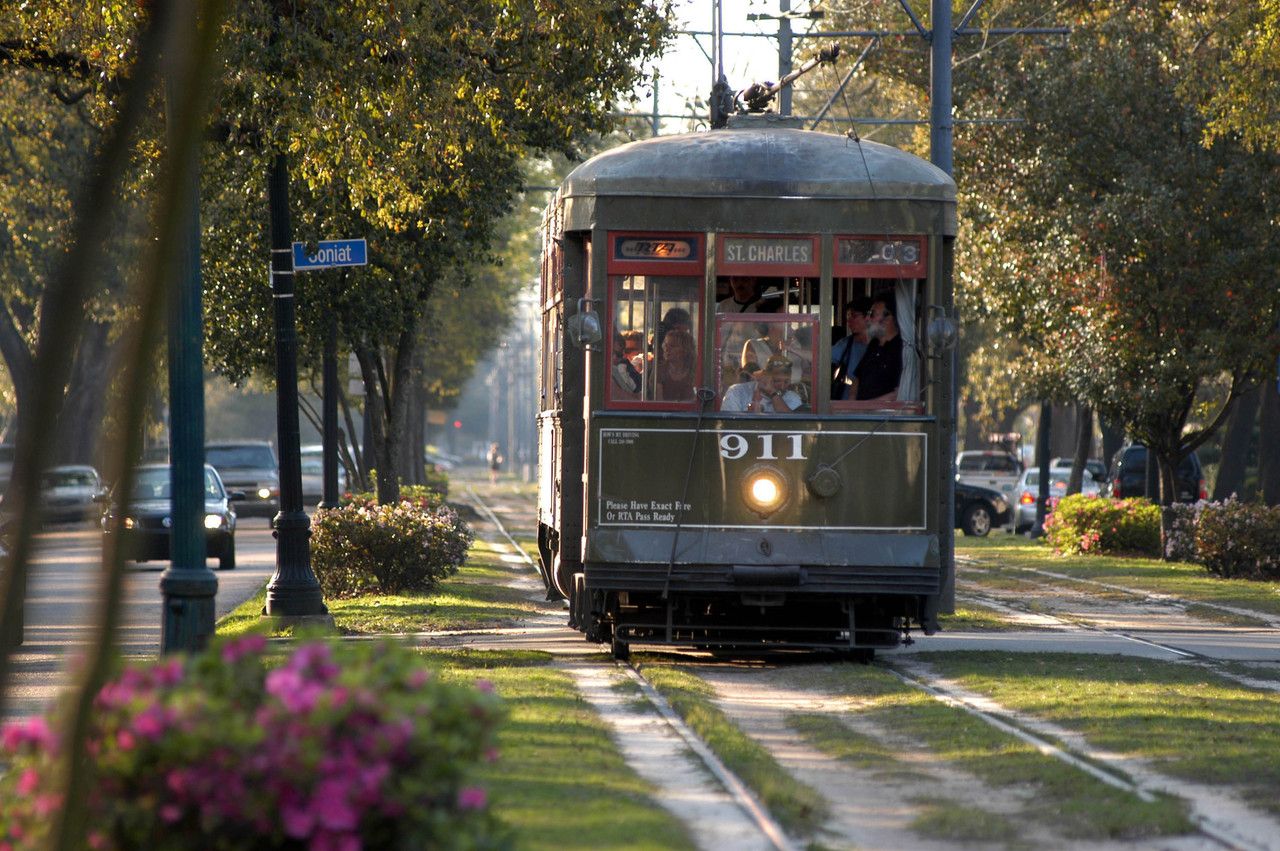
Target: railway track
1215	831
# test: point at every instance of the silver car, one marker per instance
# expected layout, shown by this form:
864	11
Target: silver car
1028	491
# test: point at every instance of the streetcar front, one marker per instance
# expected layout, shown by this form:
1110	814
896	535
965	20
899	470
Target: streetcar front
741	478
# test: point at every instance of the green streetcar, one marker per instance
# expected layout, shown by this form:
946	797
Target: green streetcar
712	472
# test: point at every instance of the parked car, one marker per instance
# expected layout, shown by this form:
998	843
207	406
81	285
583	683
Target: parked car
249	466
441	461
988	469
69	493
1029	491
979	510
1096	467
148	521
1129	475
313	474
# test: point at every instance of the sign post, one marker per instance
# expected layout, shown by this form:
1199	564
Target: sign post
330	254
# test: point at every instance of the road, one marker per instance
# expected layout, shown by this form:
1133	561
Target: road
64	586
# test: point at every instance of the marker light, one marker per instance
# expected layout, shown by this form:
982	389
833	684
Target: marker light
128	523
212	521
765	490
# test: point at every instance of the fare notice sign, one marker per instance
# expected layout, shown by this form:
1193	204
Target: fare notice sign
330	254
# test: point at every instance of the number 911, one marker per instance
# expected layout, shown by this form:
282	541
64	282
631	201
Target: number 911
736	446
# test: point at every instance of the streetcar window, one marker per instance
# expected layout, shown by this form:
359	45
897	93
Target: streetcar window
765	363
898	298
653	349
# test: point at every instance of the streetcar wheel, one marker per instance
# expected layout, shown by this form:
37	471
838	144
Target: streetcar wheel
577	602
620	650
976	521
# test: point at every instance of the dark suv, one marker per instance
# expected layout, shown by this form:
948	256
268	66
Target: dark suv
1129	475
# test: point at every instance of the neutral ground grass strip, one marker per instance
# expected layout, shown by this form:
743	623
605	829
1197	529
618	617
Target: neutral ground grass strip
799	808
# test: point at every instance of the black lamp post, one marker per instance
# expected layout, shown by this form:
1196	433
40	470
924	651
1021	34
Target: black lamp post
293	592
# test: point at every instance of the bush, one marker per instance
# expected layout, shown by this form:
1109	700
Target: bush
1239	540
1094	524
354	746
423	496
364	547
1180	543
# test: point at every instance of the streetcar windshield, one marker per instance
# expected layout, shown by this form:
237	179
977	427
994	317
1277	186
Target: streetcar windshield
654	352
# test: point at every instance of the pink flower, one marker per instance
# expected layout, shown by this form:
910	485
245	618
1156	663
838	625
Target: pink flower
34	731
472	798
484	686
234	651
298	820
28	782
125	740
170	813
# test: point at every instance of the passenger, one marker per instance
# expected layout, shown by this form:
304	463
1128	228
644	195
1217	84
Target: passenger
848	351
676	366
626	378
633	343
773	341
677	318
767	393
876	378
744	298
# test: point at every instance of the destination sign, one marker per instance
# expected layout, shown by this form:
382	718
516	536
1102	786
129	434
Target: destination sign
878	252
768	250
649	248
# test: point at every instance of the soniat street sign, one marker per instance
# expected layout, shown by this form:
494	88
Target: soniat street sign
330	254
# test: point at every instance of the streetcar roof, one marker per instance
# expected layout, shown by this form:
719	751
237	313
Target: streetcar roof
755	160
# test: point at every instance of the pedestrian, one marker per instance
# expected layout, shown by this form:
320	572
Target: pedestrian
495	461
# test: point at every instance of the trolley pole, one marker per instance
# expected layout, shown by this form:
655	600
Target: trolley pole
784	54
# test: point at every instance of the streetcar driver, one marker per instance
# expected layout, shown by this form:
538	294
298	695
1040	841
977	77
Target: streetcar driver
744	298
767	393
876	378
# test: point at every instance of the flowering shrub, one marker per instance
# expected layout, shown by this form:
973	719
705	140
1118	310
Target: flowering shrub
1180	542
1239	539
422	496
1092	524
410	546
340	748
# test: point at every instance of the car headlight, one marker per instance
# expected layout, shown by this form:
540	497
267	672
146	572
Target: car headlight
268	491
129	523
764	490
213	521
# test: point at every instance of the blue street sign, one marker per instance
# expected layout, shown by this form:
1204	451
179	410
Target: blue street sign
331	253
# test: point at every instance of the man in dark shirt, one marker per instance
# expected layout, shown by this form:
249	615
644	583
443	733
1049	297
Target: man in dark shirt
876	378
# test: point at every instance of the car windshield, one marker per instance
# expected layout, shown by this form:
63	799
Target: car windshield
1057	478
154	484
241	457
68	479
312	465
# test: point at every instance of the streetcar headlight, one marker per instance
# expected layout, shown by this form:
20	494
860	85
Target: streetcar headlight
212	521
765	491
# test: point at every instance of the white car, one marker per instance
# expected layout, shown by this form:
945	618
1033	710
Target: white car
1028	492
313	474
988	468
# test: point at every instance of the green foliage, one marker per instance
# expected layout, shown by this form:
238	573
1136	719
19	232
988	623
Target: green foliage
1092	524
368	548
1244	45
1239	540
336	746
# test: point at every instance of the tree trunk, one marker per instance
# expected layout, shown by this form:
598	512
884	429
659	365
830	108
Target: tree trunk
1269	444
1112	440
21	365
1084	443
86	401
1062	441
1236	439
1168	494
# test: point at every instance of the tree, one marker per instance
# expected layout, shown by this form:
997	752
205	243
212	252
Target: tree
1132	262
1242	40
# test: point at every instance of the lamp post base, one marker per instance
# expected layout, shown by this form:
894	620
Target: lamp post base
300	623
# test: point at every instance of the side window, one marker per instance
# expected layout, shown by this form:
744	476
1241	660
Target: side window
765	363
970	463
654	322
1001	464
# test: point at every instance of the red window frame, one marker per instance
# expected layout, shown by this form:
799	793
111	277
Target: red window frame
804	270
610	335
880	270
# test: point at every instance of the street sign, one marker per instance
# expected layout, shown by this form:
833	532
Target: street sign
330	254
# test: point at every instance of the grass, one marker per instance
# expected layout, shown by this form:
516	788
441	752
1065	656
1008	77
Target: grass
1073	803
799	808
560	782
1187	581
476	597
867	753
953	822
975	617
1191	722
